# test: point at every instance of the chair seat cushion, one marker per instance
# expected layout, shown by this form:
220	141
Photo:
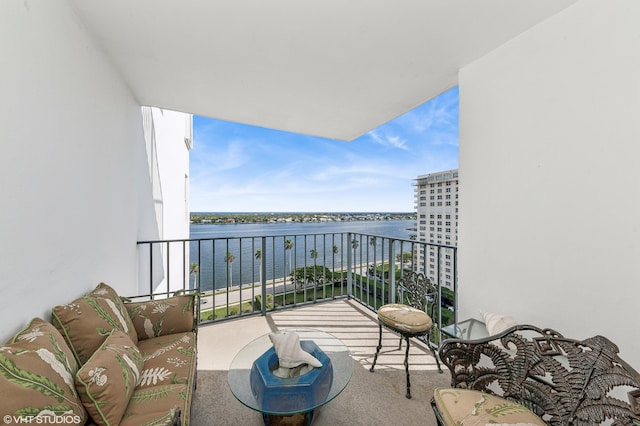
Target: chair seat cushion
404	318
469	407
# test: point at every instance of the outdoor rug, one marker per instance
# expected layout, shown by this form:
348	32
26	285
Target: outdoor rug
369	399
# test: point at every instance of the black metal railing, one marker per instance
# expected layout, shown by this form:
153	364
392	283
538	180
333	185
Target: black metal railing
240	276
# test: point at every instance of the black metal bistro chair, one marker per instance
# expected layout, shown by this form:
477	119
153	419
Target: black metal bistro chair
409	318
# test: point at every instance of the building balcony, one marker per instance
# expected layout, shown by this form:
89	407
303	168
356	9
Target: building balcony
329	282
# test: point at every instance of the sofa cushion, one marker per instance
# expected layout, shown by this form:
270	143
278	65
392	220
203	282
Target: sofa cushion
160	317
168	361
469	407
86	322
36	376
107	380
158	405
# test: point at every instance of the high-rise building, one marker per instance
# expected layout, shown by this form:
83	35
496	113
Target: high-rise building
437	225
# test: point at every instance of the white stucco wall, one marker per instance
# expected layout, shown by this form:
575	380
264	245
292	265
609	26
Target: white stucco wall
75	185
172	127
168	156
549	176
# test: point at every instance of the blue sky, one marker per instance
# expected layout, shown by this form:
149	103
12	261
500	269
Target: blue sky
241	168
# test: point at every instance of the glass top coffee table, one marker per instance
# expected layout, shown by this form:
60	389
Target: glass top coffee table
295	398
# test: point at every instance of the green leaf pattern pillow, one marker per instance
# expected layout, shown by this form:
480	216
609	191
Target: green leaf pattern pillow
107	381
86	322
36	376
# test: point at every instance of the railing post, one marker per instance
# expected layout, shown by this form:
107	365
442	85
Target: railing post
184	266
263	277
392	271
439	260
151	268
349	265
455	287
168	268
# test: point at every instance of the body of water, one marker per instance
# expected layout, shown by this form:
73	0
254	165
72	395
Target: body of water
311	243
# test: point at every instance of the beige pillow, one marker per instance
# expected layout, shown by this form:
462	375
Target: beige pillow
106	291
86	322
497	323
465	407
161	317
107	380
36	377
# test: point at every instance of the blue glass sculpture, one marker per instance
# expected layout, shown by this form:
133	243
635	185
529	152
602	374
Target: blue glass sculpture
292	394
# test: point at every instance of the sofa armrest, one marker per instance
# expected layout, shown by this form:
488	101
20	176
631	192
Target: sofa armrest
160	317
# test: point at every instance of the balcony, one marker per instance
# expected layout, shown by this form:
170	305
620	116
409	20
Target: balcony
369	398
330	282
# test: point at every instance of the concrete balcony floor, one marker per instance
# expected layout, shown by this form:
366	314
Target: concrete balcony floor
369	398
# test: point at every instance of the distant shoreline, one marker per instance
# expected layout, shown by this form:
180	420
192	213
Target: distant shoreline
227	218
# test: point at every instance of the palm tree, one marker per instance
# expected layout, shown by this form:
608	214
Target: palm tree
229	258
288	245
193	270
354	246
404	257
372	243
258	256
335	251
314	255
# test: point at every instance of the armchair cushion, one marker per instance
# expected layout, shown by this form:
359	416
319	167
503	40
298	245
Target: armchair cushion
464	407
107	381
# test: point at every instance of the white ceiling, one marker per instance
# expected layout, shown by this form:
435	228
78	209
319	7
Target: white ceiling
331	68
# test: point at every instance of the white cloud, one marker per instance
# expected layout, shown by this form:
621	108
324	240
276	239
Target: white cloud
388	140
438	114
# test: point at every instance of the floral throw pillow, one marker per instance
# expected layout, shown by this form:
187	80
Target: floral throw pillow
161	317
107	381
86	322
36	377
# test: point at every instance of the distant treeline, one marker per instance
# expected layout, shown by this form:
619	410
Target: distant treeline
207	218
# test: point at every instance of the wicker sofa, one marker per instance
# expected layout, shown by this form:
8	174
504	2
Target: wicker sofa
527	375
103	360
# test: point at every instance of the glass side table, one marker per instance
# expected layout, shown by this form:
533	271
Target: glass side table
298	410
469	329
